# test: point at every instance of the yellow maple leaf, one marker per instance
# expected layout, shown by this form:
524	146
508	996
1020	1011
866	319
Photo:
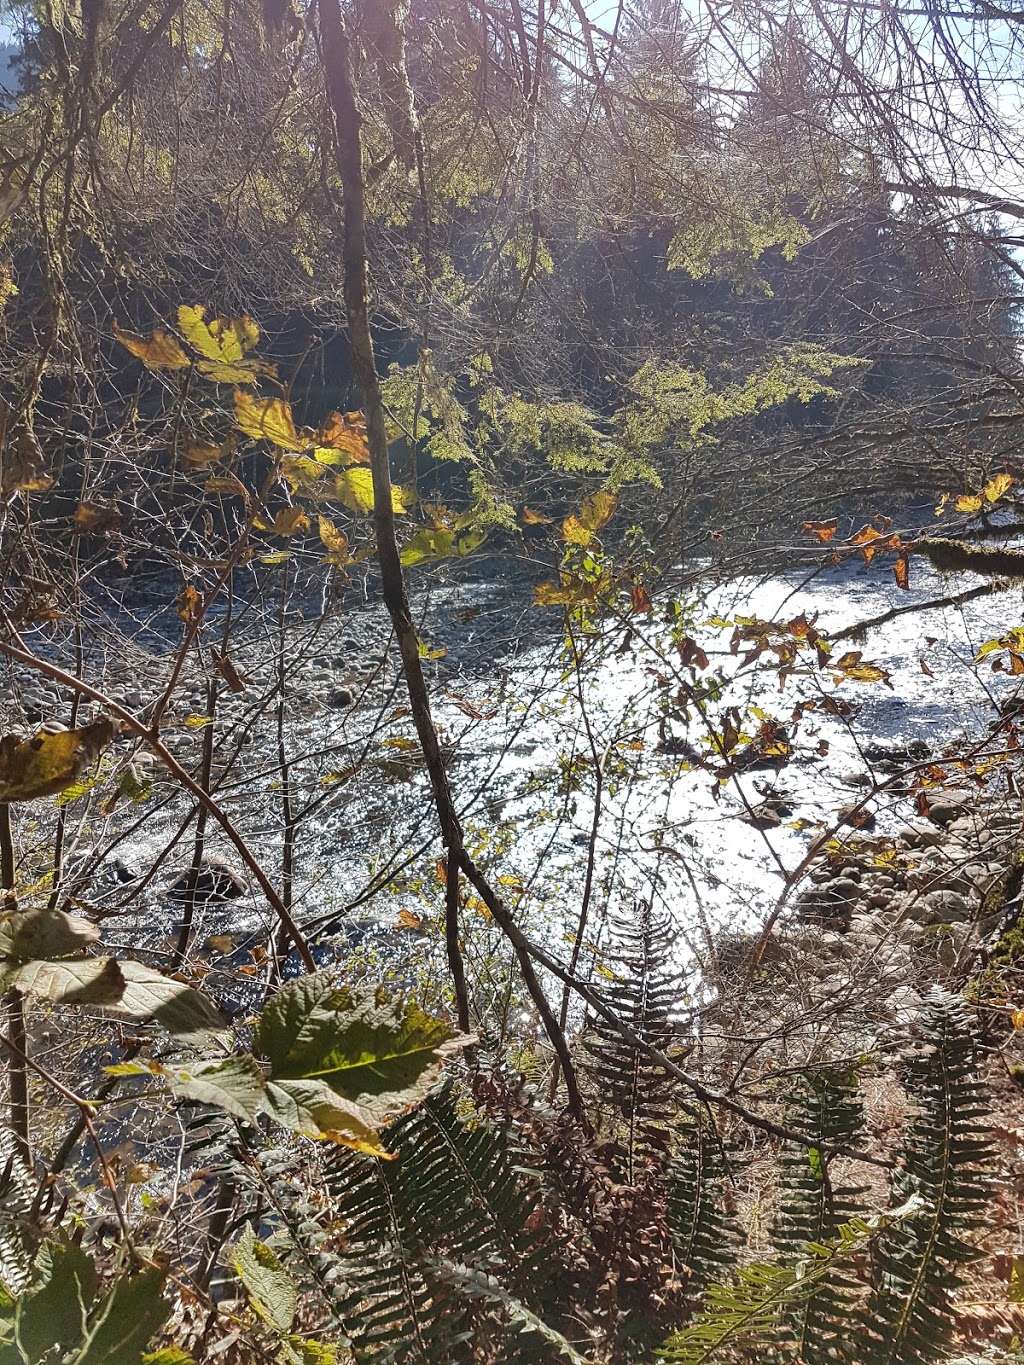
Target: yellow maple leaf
969	502
597	510
575	532
995	488
267	419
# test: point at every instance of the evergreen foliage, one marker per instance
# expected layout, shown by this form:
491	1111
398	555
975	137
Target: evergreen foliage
920	1265
704	1235
636	1099
813	1208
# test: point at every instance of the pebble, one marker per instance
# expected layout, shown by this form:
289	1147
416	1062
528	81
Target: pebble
920	836
947	907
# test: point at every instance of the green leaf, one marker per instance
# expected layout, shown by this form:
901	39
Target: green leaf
170	1355
45	933
353	488
314	1110
73	981
383	1055
437	543
235	1084
297	1351
272	1291
182	1011
427	544
121	1326
478	1284
54	1315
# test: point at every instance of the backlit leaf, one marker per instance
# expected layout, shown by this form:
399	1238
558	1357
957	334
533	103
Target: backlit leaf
96	518
51	760
160	352
427	544
223	343
267	419
227	483
823	531
345	433
353	488
639	599
901	571
570	592
575	532
290	521
221	339
335	542
201	453
995	488
969	502
597	510
532	518
301	472
189	604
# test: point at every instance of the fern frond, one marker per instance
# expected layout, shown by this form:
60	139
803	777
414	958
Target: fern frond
919	1263
478	1285
703	1234
637	1101
750	1309
812	1209
454	1197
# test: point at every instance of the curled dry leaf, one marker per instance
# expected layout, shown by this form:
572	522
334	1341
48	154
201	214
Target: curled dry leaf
160	352
189	604
96	518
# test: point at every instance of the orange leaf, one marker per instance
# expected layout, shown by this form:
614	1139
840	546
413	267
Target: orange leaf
189	603
901	570
532	518
823	531
346	432
160	352
640	599
865	538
